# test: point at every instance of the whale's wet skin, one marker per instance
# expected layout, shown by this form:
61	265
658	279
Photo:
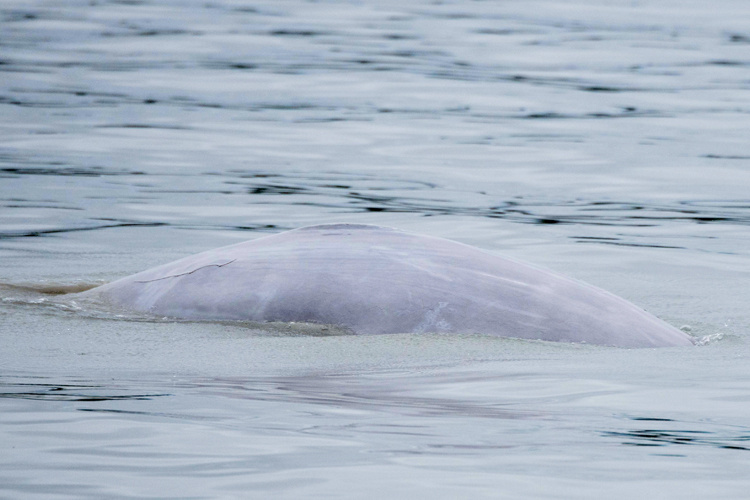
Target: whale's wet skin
374	280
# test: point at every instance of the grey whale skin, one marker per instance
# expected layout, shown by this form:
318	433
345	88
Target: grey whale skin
376	280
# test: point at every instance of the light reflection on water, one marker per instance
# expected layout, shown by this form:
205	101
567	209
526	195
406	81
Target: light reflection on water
604	141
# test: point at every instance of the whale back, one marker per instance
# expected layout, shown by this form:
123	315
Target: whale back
375	280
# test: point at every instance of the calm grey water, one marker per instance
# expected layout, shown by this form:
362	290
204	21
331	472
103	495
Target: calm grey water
605	140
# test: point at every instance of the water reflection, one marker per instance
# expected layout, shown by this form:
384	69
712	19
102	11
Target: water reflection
70	392
668	437
340	193
355	393
327	103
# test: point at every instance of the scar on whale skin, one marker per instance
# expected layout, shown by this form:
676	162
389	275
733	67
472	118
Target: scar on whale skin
185	274
377	280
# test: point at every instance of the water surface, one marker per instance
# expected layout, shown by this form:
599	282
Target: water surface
607	142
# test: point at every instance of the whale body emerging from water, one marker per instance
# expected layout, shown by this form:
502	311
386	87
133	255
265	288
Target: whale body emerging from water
376	280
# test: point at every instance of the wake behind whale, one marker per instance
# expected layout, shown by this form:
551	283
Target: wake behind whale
377	280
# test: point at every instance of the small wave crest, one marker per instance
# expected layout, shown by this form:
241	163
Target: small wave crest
708	339
44	294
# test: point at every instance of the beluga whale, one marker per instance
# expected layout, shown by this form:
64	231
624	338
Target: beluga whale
371	280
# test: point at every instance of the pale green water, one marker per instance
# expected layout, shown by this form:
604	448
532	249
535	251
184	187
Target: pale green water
608	142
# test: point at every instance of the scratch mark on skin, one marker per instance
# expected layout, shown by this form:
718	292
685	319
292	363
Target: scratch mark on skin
184	274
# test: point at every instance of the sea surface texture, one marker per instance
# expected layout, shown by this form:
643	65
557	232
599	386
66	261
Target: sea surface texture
609	141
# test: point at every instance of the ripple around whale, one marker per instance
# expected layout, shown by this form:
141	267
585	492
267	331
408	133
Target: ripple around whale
376	280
